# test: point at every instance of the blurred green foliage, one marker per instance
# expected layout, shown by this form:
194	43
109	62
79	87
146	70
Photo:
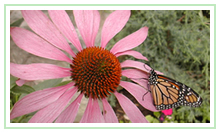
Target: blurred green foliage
178	44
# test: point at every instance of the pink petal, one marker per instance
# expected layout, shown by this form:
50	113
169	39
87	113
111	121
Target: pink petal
113	24
86	114
108	112
130	41
52	111
135	54
143	83
87	22
69	114
21	82
131	110
138	65
32	43
93	113
96	114
61	19
137	76
38	71
134	73
138	92
42	25
38	100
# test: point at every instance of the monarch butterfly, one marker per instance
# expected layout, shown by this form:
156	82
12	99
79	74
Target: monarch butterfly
168	93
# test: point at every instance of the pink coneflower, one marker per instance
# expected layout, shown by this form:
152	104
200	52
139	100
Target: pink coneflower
95	71
165	113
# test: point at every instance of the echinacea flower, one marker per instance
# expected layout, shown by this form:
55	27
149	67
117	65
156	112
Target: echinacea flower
95	71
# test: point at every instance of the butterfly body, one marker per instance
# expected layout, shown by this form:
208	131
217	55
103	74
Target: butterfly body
168	93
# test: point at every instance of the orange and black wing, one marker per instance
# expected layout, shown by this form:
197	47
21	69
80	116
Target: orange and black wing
168	93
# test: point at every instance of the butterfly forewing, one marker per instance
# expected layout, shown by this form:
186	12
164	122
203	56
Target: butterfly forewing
168	93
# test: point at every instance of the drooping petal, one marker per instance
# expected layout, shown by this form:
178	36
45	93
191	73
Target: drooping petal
131	110
138	65
52	111
69	114
38	71
61	19
42	25
96	114
33	44
92	113
130	41
87	22
108	112
113	24
38	100
135	54
138	92
20	82
86	114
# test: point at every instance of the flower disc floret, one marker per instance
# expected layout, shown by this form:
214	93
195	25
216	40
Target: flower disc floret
96	72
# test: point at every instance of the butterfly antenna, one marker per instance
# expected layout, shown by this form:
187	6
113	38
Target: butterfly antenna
145	66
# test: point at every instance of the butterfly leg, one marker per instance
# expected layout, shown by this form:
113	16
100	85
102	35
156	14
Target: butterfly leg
144	95
148	90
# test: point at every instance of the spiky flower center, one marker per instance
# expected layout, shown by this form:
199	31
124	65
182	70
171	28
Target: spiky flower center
96	72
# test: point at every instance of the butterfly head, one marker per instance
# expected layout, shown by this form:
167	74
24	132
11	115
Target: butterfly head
153	77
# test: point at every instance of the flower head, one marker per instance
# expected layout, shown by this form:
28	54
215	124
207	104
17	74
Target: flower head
95	71
165	113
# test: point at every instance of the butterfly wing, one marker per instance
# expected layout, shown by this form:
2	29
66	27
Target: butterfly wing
191	98
168	93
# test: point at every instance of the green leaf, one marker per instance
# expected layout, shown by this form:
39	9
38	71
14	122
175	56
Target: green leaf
47	84
157	114
121	121
12	81
64	83
17	23
23	118
22	89
152	119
